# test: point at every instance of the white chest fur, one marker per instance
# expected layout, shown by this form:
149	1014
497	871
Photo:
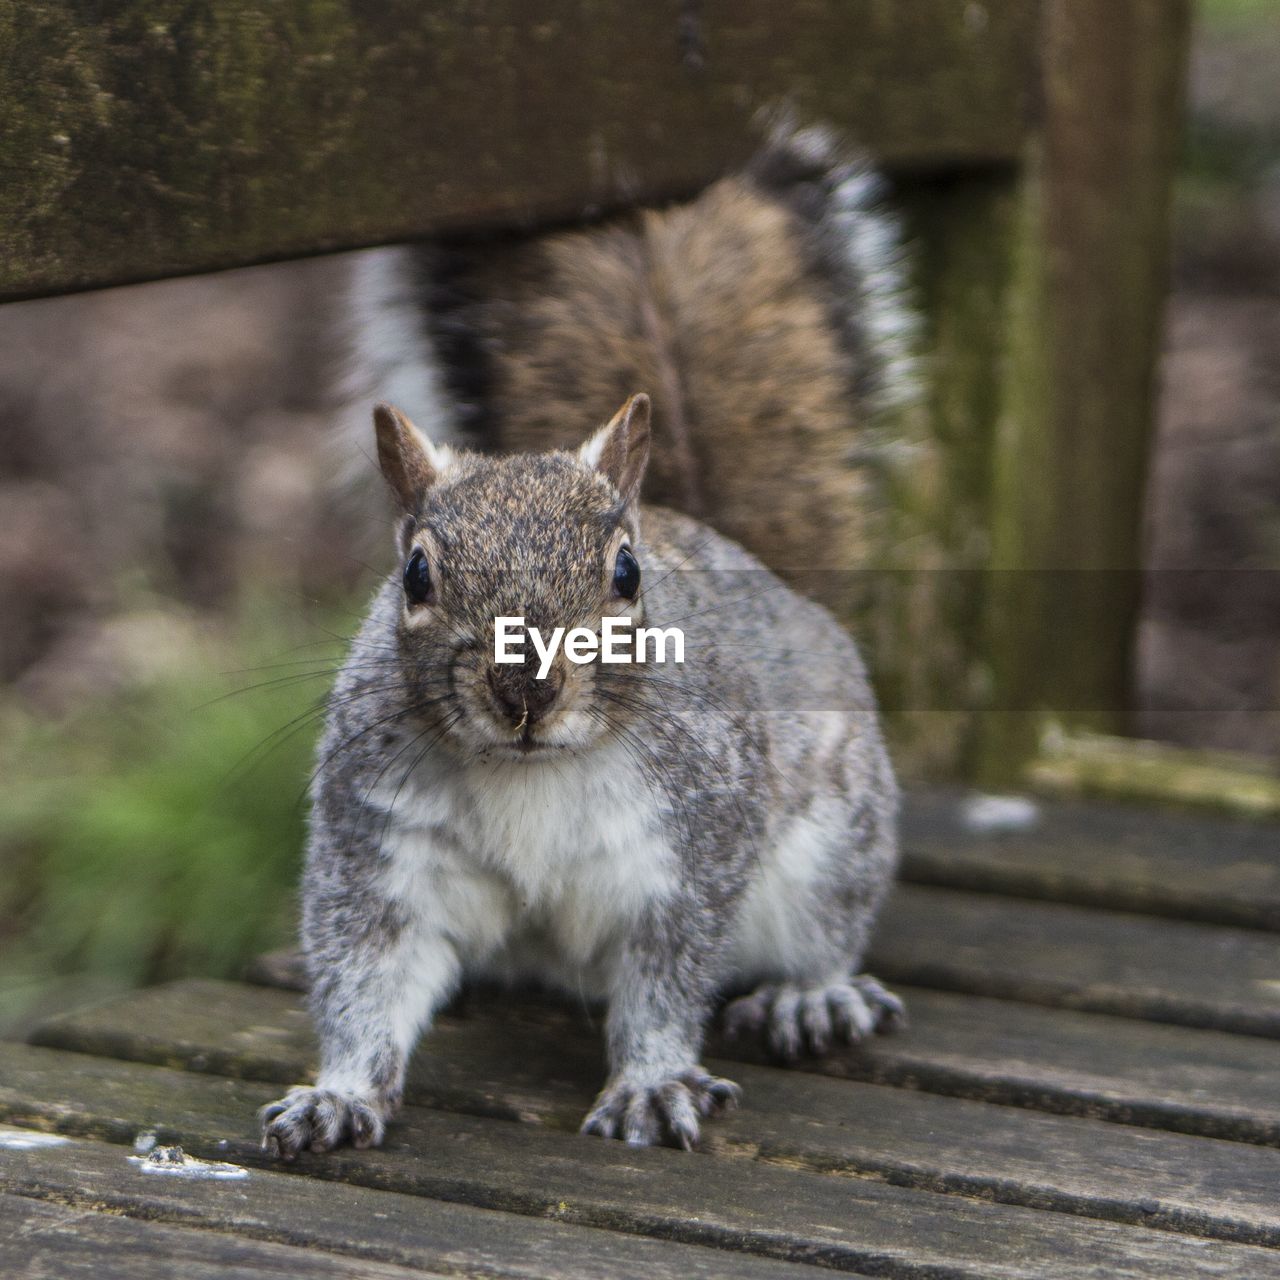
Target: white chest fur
530	867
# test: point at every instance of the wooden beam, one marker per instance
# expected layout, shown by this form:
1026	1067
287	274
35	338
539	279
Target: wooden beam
1083	334
158	139
924	632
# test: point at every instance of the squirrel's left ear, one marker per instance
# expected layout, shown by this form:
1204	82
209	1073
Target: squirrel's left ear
410	463
620	449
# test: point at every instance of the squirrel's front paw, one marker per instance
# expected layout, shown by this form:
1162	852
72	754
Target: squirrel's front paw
318	1120
795	1020
645	1115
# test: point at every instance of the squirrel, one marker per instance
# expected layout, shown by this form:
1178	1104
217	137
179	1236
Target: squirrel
769	320
660	836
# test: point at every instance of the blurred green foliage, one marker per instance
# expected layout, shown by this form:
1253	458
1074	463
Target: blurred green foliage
1220	13
158	831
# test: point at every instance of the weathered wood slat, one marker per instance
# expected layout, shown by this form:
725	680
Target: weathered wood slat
1196	975
938	1143
934	1143
1124	858
407	1230
792	1215
46	1241
1070	1164
1202	1082
150	141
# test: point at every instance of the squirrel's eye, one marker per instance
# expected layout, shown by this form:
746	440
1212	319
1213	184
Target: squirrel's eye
626	574
417	577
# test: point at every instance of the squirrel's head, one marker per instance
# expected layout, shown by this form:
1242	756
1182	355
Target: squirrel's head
551	538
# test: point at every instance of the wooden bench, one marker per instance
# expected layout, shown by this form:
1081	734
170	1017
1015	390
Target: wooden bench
1081	1092
1031	141
1088	1084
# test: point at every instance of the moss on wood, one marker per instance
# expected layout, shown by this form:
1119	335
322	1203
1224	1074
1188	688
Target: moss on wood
925	628
1094	764
161	137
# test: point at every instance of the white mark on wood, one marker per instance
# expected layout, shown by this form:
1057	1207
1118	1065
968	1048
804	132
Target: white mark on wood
29	1140
994	814
173	1162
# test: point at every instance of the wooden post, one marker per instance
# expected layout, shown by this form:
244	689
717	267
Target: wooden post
924	629
1070	456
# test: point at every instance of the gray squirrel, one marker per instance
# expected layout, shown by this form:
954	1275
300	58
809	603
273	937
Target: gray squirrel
657	836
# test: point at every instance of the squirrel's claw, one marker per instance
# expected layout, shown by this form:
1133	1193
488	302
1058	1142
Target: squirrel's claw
308	1119
796	1020
668	1113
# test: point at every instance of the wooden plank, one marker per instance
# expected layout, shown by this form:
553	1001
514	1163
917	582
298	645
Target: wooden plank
1196	975
149	141
432	1237
1201	1082
846	1223
933	1143
45	1241
1123	857
1069	1164
1083	339
936	1143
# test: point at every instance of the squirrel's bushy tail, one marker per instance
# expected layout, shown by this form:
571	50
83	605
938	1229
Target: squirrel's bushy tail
766	318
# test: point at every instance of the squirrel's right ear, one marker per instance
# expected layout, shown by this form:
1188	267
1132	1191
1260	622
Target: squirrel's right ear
410	463
620	449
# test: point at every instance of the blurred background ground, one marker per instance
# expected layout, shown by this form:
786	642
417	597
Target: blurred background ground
1209	643
168	537
166	540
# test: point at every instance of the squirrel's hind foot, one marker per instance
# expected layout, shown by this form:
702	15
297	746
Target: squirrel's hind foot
668	1113
308	1119
796	1020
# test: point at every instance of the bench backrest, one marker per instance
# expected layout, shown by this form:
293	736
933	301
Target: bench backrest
1032	144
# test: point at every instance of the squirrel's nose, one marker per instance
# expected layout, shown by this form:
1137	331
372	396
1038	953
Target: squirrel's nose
522	696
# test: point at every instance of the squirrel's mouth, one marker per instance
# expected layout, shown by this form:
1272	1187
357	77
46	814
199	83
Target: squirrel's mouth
519	726
521	750
527	745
